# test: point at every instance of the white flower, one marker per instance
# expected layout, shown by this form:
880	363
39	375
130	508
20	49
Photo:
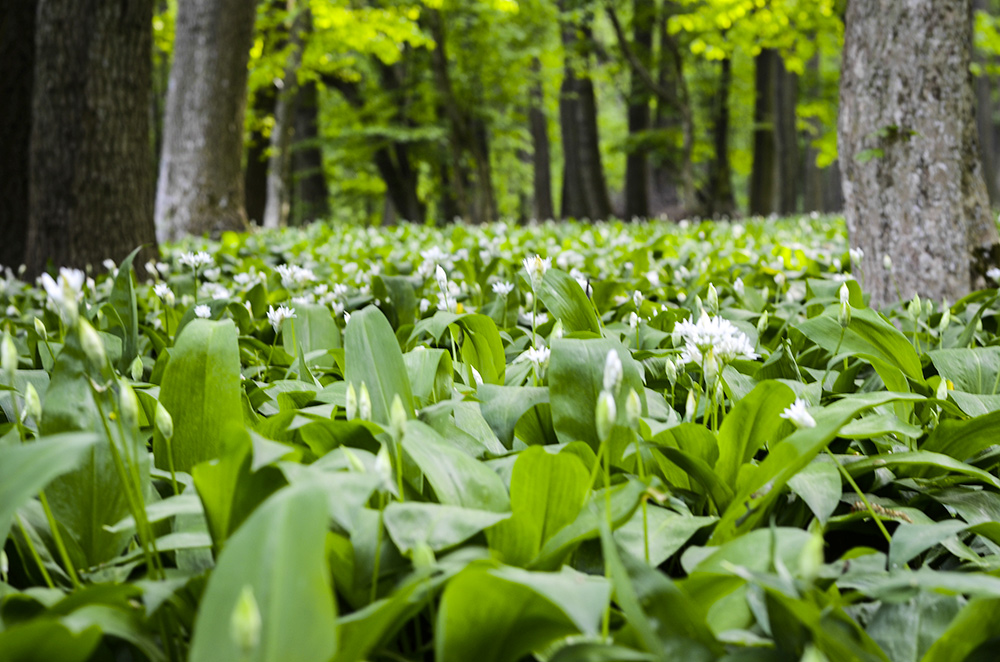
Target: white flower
738	287
637	298
536	266
163	291
246	304
202	311
536	355
633	320
64	292
613	372
292	274
845	294
856	254
441	277
716	333
195	260
993	274
503	288
887	262
277	316
797	414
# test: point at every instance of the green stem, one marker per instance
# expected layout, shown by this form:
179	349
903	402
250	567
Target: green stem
861	495
57	537
378	553
34	552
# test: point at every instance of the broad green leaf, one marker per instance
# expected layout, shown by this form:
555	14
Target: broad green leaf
482	347
501	614
921	459
312	329
819	485
26	469
594	652
53	640
431	375
279	555
973	370
547	492
399	299
457	478
373	358
869	336
975	625
503	406
124	303
201	390
436	526
668	533
907	630
964	439
753	422
566	300
576	378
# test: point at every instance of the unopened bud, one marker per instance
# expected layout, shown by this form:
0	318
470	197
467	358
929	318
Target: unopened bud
163	422
92	344
364	403
351	402
8	354
245	623
945	319
613	372
941	392
135	369
762	323
397	417
40	329
605	415
845	315
557	330
845	294
128	403
887	262
710	367
712	299
32	403
690	406
633	409
670	369
913	309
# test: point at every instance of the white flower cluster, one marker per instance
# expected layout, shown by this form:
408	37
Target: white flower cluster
277	316
293	274
65	292
195	260
715	334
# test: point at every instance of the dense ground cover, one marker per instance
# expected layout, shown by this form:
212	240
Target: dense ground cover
559	442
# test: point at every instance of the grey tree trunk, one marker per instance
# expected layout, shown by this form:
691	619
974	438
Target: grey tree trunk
200	188
17	53
913	184
91	187
278	204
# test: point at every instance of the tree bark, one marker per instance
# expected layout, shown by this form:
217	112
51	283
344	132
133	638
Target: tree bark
278	204
984	120
637	161
786	139
91	188
720	201
763	178
255	173
200	188
541	157
312	200
17	53
913	184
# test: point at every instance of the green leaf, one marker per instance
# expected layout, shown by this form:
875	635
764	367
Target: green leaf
565	299
976	624
819	485
753	422
314	330
547	492
124	303
964	439
431	375
482	347
501	614
906	630
503	407
26	469
373	358
457	478
436	526
921	459
48	640
973	370
201	391
668	533
279	553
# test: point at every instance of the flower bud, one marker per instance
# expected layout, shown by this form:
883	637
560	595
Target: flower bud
941	392
92	344
8	354
351	404
913	309
945	319
40	329
633	409
762	323
887	262
712	299
397	417
670	370
690	406
613	372
245	623
710	367
845	294
845	315
135	369
364	403
32	403
128	404
558	330
163	422
605	415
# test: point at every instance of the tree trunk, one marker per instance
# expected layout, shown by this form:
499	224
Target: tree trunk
91	189
278	204
255	174
786	139
312	200
574	203
637	161
720	200
17	53
763	178
595	186
200	188
671	172
984	120
913	183
541	157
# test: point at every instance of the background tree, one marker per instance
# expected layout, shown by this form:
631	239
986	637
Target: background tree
913	183
200	186
91	188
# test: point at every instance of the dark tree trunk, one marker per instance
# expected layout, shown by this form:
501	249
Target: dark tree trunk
671	175
91	190
763	178
720	200
200	188
984	120
278	203
17	53
595	186
541	157
255	174
312	200
637	162
574	202
913	182
786	138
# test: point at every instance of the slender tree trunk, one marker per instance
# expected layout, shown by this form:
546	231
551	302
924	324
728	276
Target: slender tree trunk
91	189
984	120
17	53
786	138
277	207
595	186
671	173
913	182
763	178
309	178
255	173
637	173
200	188
720	193
541	157
574	202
